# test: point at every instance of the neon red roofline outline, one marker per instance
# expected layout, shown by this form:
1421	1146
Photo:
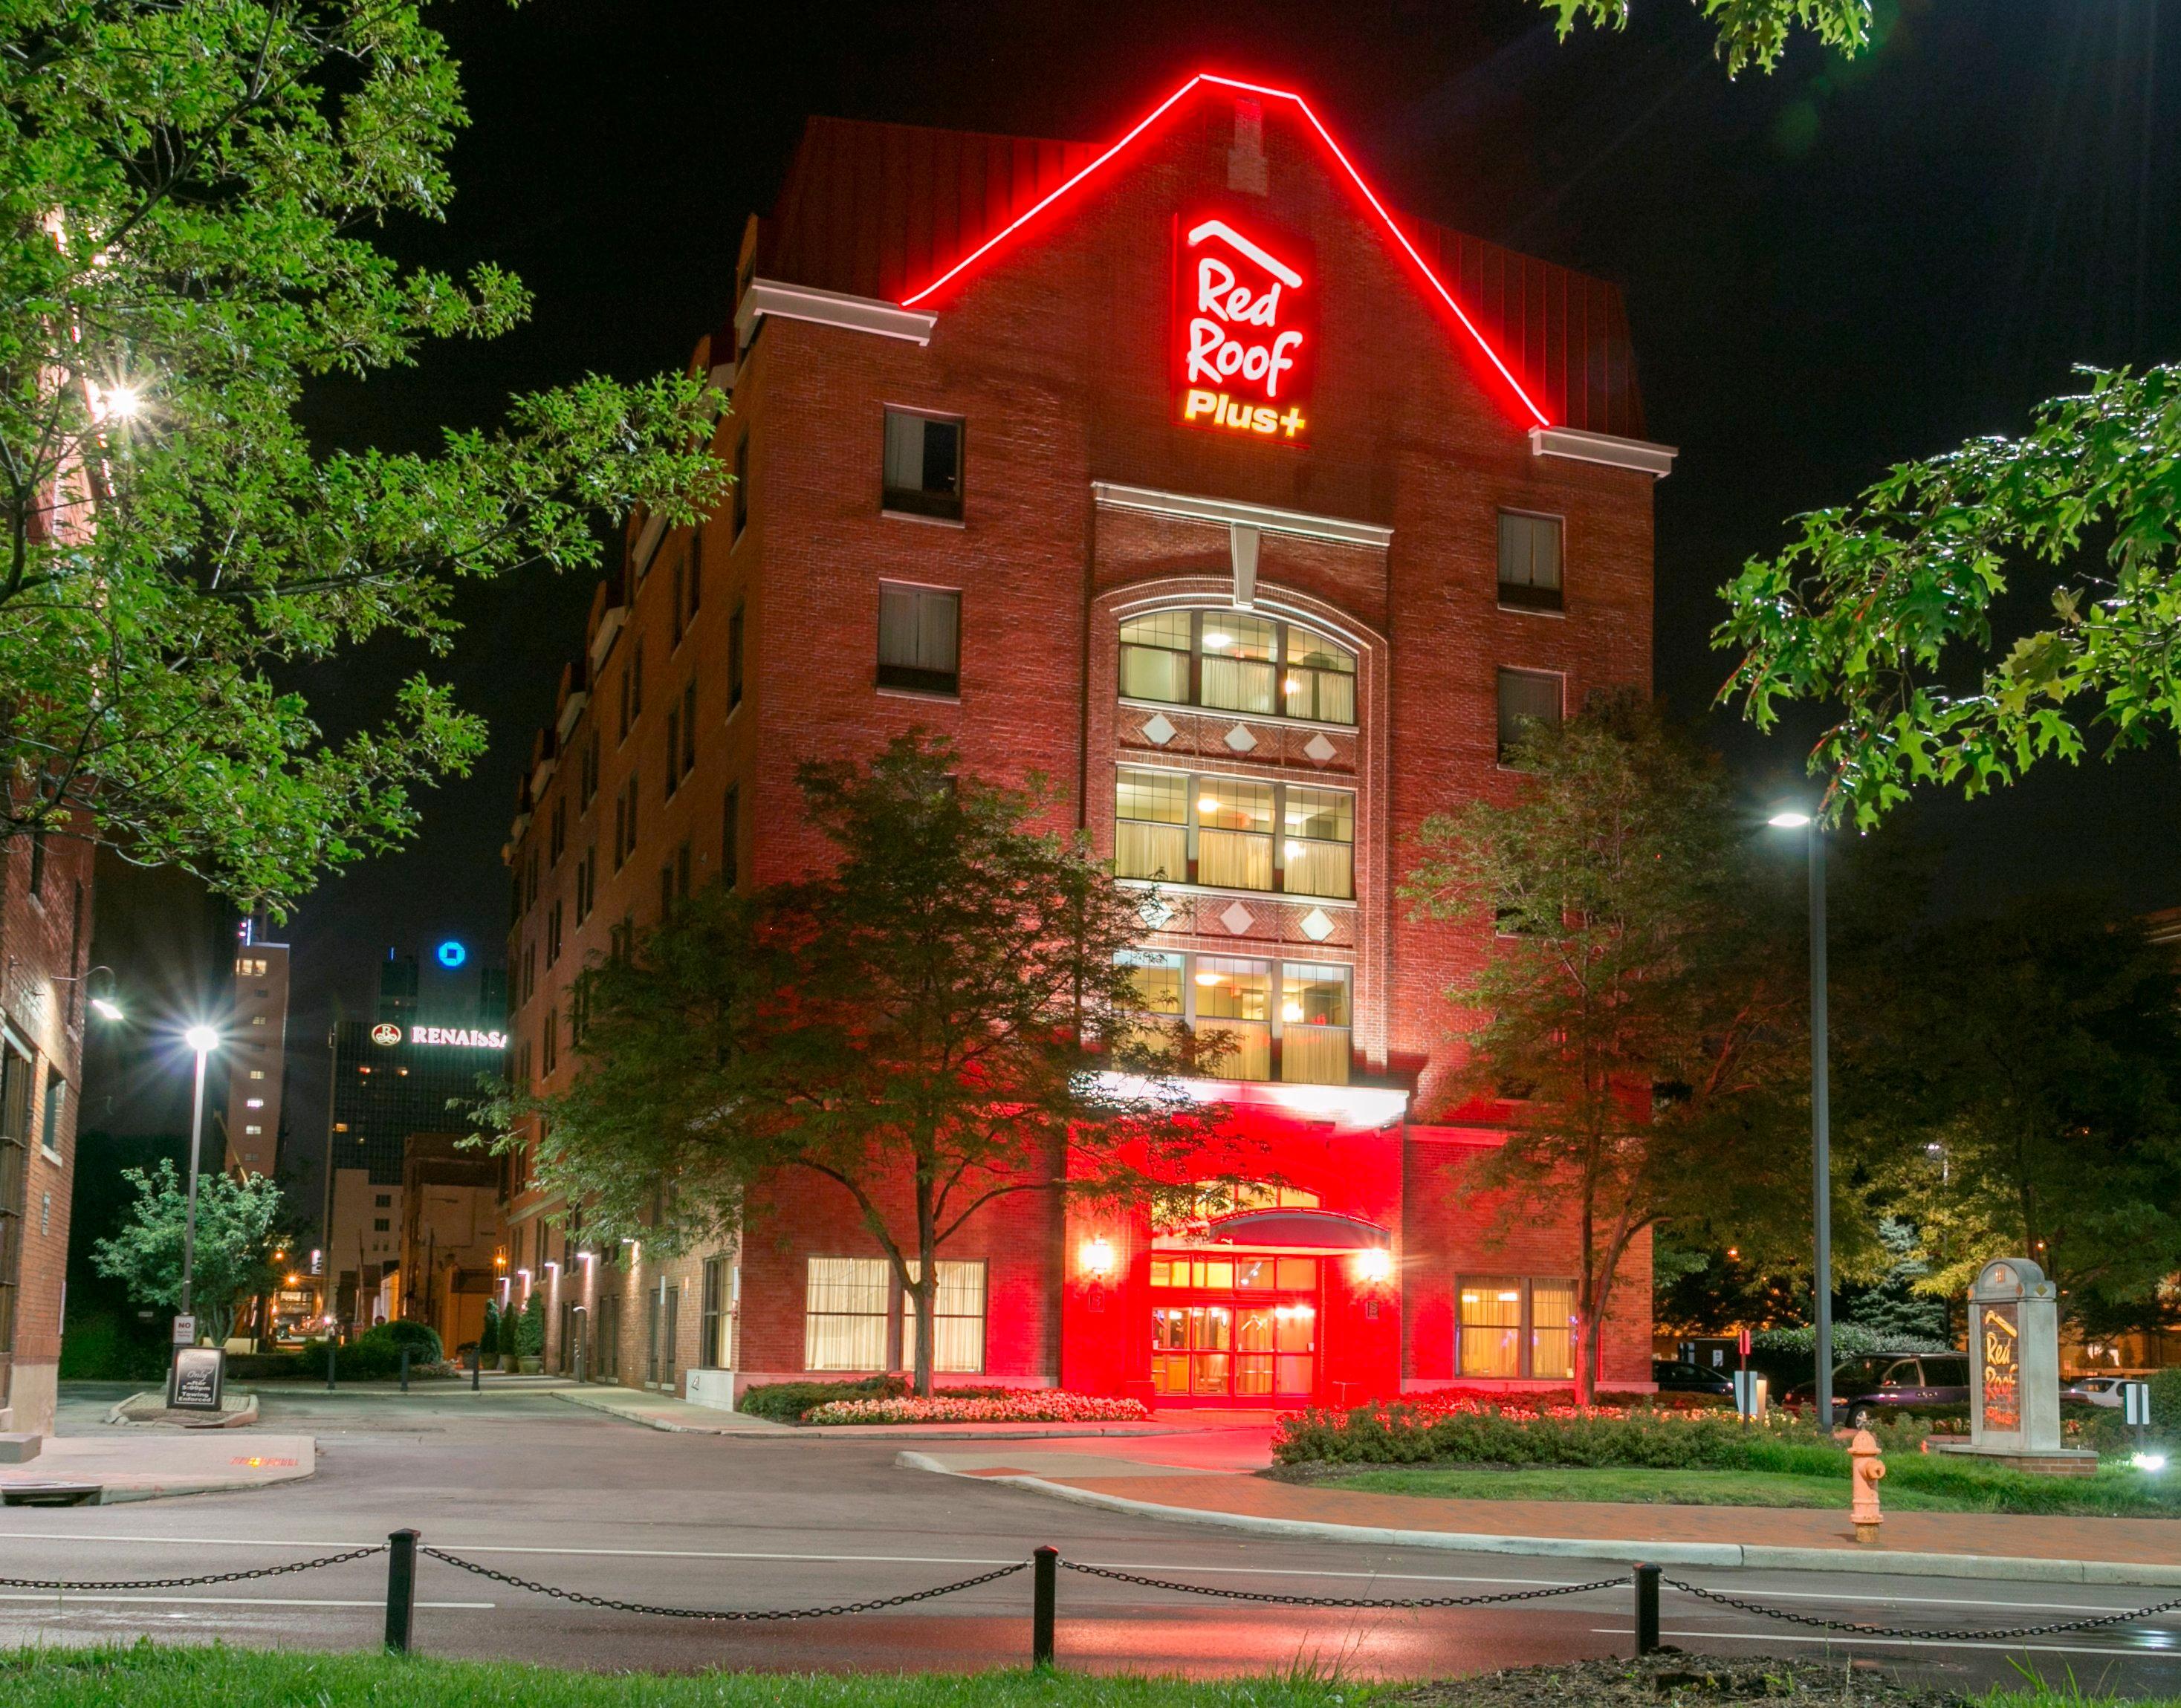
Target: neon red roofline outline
1424	268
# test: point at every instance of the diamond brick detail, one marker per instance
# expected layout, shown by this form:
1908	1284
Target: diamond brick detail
1157	731
1319	749
1318	923
1241	740
1237	918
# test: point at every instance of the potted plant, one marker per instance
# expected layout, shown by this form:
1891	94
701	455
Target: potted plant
488	1352
530	1337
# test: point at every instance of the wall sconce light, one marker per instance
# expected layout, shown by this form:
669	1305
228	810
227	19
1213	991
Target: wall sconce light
1374	1264
1097	1257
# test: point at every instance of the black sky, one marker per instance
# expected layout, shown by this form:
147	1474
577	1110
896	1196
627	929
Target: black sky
1829	268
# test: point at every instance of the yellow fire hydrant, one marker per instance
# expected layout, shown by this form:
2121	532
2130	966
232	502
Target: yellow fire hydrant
1865	1469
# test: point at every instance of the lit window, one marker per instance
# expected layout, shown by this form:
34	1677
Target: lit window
1529	561
253	1103
257	1073
923	465
1231	661
1221	832
844	1314
958	1318
919	638
1526	697
253	1130
1516	1327
1304	1038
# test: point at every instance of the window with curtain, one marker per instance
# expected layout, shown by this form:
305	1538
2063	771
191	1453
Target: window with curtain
715	1336
1234	834
919	638
1529	561
1235	998
957	1317
1517	1326
1308	1031
1315	1024
1318	844
1236	661
924	465
844	1314
1525	697
1150	829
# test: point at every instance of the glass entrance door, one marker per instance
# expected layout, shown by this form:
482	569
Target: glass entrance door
1234	1330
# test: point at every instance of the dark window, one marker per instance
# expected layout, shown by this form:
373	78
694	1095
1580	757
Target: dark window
627	701
590	778
49	1121
560	837
688	760
1529	561
635	680
674	616
553	917
919	638
38	861
1525	697
551	1038
714	1346
730	838
673	750
666	892
14	1178
742	486
924	465
696	568
735	659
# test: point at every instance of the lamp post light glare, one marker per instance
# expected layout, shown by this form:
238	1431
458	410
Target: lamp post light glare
1821	1185
202	1040
106	1008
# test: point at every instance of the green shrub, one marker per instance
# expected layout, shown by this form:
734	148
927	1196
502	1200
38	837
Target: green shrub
1398	1435
488	1336
421	1339
530	1329
98	1346
787	1401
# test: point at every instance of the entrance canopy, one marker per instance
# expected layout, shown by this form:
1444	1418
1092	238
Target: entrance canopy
1297	1230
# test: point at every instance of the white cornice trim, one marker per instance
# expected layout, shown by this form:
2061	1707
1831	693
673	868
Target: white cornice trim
1578	446
1229	512
830	308
571	709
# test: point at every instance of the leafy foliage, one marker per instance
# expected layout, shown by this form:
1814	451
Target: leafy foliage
1751	32
232	1257
1887	606
192	195
929	1025
530	1328
1640	1028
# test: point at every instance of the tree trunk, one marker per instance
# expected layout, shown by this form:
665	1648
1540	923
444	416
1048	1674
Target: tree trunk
927	1279
1586	1370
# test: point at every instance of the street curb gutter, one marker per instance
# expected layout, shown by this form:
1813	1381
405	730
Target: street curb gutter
1735	1555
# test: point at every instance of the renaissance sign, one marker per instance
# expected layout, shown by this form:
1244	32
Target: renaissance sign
441	1036
1245	328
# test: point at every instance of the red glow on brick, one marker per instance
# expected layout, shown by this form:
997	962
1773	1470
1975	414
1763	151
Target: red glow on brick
1431	280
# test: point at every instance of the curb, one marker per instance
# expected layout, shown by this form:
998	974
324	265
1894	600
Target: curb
1730	1555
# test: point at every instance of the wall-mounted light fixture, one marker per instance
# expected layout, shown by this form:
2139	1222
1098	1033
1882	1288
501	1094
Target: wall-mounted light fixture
1374	1264
1097	1257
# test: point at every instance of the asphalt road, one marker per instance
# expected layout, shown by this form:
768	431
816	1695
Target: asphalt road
529	1485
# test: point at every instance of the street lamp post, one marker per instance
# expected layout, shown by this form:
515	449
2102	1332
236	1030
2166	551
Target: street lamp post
203	1040
1821	1213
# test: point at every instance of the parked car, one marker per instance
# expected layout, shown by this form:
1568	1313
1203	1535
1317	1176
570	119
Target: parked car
2097	1391
1678	1376
1891	1382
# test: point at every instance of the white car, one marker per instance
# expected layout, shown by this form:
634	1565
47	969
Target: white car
2099	1391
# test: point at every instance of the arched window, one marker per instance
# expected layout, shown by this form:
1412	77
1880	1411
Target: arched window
1234	661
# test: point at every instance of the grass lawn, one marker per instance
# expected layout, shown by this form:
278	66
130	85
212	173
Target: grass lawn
1917	1484
145	1676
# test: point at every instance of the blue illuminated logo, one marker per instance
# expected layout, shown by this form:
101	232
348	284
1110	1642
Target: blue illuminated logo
452	954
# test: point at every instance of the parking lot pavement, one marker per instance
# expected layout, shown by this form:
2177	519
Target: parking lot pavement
530	1487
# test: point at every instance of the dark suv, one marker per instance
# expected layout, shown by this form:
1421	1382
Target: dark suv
1679	1377
1892	1382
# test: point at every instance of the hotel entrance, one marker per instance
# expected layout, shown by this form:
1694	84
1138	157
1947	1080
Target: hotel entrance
1239	1328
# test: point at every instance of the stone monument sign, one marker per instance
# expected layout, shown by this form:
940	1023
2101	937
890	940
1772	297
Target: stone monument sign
2014	1370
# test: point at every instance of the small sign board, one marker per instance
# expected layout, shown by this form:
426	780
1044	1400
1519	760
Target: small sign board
2136	1404
197	1379
1750	1395
186	1331
1998	1387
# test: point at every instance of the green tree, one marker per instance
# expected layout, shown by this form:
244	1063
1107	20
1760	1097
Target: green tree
1751	32
1887	606
530	1328
929	1025
1640	1026
2038	1087
231	1260
192	196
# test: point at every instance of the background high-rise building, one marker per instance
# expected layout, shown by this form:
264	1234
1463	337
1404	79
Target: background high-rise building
257	1052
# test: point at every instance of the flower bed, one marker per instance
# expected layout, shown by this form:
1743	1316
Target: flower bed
1455	1428
1011	1406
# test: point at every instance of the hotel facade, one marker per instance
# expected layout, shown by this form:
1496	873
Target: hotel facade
1258	518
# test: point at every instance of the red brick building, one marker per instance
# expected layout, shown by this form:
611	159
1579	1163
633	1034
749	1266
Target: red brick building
1257	517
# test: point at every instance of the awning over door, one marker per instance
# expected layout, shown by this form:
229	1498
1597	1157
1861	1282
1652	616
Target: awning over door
1296	1229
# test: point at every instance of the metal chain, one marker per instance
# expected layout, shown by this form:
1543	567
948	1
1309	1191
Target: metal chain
752	1616
2010	1633
1340	1601
194	1583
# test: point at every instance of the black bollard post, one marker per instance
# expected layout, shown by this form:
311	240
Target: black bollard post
1045	1585
404	1369
1647	1611
400	1589
477	1363
329	1364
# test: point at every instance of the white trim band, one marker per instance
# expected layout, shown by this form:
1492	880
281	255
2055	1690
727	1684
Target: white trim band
1578	446
1230	513
830	308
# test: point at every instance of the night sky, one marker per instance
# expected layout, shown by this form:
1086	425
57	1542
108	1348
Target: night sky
1827	269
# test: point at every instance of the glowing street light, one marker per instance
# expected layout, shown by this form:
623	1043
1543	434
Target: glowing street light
202	1040
1795	818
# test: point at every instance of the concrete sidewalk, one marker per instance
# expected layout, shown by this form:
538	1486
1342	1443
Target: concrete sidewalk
1147	1482
141	1465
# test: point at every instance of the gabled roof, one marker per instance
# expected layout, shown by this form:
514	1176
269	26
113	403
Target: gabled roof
901	213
